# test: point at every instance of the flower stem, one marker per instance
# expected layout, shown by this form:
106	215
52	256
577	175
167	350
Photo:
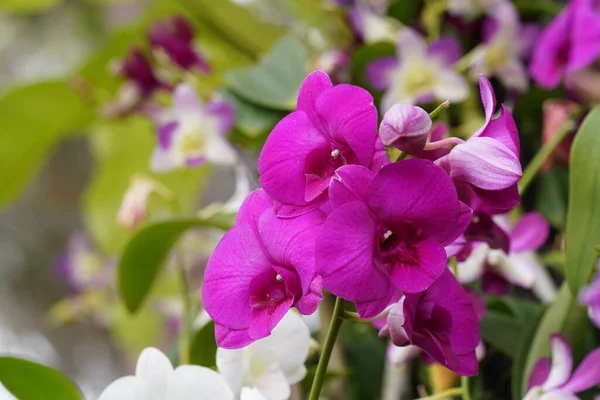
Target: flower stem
439	109
542	155
184	334
334	329
444	394
401	156
464	385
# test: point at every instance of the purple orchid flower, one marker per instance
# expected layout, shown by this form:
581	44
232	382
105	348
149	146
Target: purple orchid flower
590	296
405	127
571	42
506	42
441	321
261	268
138	71
387	232
555	380
333	126
194	133
486	168
501	255
176	38
420	73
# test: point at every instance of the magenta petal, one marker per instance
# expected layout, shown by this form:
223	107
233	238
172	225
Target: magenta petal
350	116
465	216
539	373
291	242
531	232
468	365
485	163
349	184
488	99
165	134
496	201
286	211
446	49
265	320
344	255
504	130
309	302
281	164
586	375
237	259
430	259
185	97
231	338
374	308
379	72
402	192
253	206
586	38
312	87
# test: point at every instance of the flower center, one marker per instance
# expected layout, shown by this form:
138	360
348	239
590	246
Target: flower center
396	247
192	142
418	79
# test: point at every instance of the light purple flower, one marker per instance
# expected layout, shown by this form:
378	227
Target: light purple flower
192	133
175	37
505	43
441	321
405	127
333	126
501	255
387	232
590	296
571	42
555	380
486	168
261	268
419	73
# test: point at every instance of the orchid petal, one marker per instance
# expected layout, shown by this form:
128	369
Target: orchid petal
562	362
379	72
192	382
586	375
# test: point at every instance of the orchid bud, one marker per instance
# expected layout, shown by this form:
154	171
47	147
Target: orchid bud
134	206
405	127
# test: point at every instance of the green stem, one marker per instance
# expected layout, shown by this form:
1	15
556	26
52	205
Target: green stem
334	329
401	156
464	385
542	155
444	394
184	335
439	109
454	265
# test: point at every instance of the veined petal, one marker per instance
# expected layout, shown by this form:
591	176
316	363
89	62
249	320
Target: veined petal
404	191
232	338
485	163
531	232
252	208
349	184
344	255
562	362
586	375
281	164
312	87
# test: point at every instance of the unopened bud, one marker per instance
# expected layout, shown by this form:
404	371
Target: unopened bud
405	127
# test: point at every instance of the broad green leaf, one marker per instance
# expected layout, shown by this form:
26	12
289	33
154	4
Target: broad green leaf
524	340
501	331
583	217
27	380
273	83
145	254
122	149
27	6
406	11
251	119
552	195
204	346
564	316
33	119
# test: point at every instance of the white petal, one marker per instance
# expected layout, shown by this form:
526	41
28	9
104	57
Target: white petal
558	395
218	150
154	370
472	268
251	394
230	364
289	343
562	363
543	287
535	393
450	85
512	268
163	160
191	382
401	355
273	384
126	388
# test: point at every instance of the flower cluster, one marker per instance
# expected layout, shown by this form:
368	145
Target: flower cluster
335	213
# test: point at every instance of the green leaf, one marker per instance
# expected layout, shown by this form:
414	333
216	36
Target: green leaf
406	11
583	229
27	380
27	6
146	252
362	58
552	195
251	119
203	349
565	316
275	82
33	119
524	340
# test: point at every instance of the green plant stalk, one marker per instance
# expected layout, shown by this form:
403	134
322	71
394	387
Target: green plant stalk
542	155
184	335
334	329
401	156
464	384
444	394
439	109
